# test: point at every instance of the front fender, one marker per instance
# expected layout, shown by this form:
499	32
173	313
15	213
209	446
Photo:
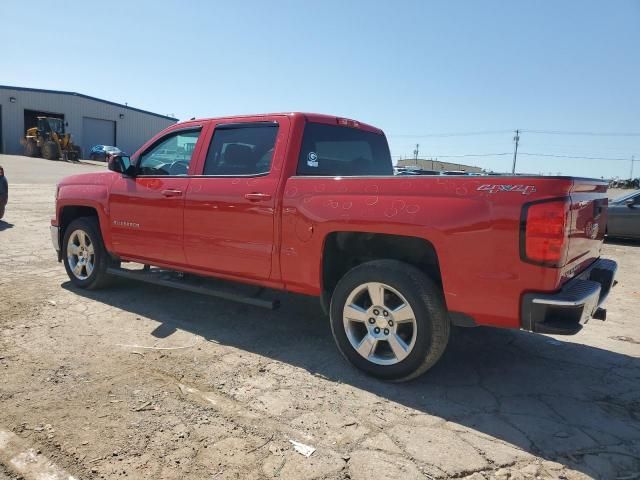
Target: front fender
95	197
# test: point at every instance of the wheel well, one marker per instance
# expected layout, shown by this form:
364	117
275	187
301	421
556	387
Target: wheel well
345	250
70	213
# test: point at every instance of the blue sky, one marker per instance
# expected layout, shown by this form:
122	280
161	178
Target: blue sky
412	68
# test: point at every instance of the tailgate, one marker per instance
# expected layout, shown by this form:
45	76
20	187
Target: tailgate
587	225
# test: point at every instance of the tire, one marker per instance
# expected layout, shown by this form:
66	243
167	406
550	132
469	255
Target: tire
424	336
91	273
50	150
76	153
31	149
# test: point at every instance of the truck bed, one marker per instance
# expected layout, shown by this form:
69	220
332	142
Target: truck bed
473	223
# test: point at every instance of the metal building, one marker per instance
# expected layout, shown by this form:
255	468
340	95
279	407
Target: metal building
435	164
91	121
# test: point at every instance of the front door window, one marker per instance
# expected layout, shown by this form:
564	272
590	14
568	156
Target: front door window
169	156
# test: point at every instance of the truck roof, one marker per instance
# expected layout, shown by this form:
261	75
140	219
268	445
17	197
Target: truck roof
311	117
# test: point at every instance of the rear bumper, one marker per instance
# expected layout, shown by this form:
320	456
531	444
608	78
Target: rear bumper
566	311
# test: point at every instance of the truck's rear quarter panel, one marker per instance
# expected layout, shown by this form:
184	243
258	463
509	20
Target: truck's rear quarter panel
475	232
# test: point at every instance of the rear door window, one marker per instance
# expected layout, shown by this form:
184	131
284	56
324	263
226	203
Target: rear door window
241	149
332	150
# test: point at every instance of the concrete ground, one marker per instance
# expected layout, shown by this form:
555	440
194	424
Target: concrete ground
139	381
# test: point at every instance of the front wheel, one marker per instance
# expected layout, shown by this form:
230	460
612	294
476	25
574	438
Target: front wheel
31	149
389	319
50	150
85	258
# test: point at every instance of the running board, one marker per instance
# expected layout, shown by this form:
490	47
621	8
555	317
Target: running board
195	284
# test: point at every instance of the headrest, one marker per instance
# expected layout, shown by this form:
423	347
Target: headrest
236	154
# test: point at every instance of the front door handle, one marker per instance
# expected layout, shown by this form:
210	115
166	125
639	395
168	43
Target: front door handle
172	193
257	197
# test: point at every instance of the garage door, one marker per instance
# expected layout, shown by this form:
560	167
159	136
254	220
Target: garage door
97	132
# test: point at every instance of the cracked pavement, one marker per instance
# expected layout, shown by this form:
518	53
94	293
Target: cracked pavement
140	381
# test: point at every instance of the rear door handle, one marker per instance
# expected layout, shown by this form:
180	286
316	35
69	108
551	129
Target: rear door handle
172	193
257	197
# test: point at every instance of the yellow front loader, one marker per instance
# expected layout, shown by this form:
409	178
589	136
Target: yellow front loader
49	140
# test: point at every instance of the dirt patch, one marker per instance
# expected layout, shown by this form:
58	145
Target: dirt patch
235	384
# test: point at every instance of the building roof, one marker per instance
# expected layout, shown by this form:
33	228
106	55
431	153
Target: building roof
60	92
442	164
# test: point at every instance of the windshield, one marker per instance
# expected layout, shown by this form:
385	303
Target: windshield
332	150
56	125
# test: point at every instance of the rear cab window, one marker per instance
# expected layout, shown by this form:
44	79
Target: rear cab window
334	150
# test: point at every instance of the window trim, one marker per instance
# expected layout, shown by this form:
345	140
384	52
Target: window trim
234	125
174	132
239	125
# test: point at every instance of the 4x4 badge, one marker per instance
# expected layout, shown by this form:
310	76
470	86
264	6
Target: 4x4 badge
494	188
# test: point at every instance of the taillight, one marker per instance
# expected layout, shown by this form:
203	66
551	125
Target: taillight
544	232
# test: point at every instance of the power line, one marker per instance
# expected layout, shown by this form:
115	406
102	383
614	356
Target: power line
470	155
455	134
573	156
522	130
591	134
530	154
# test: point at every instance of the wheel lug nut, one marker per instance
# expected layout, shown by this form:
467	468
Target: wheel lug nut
376	312
391	323
386	331
376	330
385	313
372	320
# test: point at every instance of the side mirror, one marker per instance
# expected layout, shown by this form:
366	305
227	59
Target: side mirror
121	164
630	202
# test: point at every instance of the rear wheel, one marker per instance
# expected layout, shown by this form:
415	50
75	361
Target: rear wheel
76	153
31	149
85	258
50	151
389	319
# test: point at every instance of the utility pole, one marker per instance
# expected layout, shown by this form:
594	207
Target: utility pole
515	151
633	159
415	153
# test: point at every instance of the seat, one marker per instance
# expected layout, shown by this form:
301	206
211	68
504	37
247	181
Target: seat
238	159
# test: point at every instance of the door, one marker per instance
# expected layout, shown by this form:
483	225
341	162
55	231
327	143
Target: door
97	132
624	220
147	211
230	208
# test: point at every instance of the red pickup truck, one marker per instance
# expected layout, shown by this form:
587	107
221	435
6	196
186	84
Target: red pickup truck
308	203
